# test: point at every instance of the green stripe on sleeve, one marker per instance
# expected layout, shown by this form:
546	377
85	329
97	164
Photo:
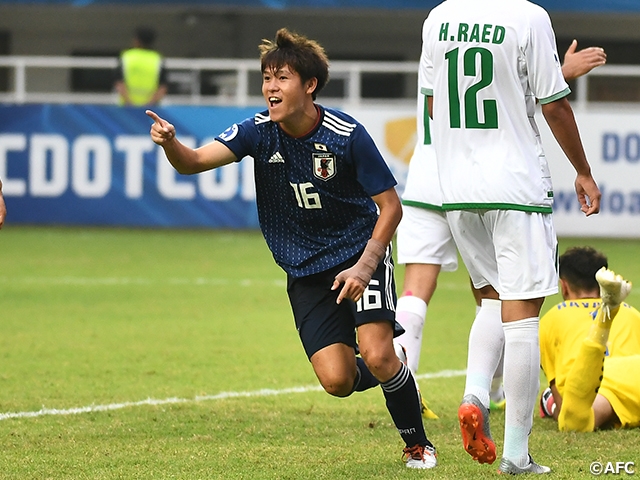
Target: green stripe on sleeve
555	97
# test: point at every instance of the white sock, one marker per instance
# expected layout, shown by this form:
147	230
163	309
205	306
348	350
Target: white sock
497	392
485	347
410	313
521	385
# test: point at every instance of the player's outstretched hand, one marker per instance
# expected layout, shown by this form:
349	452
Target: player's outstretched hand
580	63
162	131
588	194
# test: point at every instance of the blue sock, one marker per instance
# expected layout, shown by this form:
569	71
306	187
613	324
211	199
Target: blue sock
364	378
404	406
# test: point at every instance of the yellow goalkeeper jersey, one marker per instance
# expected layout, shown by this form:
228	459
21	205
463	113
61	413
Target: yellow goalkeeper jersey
565	326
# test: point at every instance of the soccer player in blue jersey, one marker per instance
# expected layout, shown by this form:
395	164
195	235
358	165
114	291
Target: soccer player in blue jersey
328	209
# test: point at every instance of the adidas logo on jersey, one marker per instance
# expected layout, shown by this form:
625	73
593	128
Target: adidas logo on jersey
276	158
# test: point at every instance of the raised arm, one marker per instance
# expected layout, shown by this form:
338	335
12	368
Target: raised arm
576	64
562	123
184	159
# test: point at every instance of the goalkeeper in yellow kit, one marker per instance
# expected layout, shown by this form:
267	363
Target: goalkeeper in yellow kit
590	348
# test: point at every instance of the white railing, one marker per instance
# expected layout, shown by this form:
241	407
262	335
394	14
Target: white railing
582	87
234	80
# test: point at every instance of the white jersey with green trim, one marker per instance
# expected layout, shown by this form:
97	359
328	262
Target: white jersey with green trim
422	187
486	62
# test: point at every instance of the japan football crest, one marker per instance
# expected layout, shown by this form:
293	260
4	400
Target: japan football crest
324	165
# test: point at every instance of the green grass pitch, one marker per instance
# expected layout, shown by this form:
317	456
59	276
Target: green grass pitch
168	354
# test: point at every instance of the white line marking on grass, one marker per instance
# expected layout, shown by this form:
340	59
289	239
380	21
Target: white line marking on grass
442	374
265	392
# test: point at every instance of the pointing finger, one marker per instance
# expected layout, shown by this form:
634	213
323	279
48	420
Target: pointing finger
342	295
153	115
156	118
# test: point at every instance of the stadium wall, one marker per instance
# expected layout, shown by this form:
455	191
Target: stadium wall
96	165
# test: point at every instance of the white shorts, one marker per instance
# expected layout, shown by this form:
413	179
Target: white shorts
424	237
515	252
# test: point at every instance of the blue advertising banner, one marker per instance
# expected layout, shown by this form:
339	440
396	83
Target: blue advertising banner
97	165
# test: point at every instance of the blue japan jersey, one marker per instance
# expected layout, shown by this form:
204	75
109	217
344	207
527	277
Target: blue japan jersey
313	192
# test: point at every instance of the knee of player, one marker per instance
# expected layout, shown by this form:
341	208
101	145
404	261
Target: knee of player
337	386
383	364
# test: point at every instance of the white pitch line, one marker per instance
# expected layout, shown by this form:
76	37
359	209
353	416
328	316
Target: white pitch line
265	392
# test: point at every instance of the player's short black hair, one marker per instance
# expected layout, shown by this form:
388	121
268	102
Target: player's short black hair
578	267
304	56
146	36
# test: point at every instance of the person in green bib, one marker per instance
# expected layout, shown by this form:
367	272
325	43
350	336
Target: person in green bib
141	77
